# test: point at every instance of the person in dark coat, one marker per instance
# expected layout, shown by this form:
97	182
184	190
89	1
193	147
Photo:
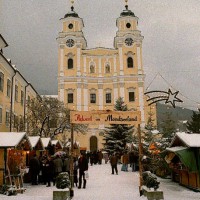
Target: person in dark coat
75	171
113	162
91	158
83	166
100	157
48	171
34	167
66	164
58	166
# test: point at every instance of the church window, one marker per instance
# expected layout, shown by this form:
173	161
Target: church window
130	62
92	69
108	98
128	25
70	26
70	63
107	68
70	98
92	98
131	96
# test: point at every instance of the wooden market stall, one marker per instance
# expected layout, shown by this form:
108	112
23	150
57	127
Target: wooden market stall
37	145
46	142
183	157
13	148
57	145
38	149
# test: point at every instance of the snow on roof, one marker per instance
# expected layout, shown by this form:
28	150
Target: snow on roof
34	140
55	142
174	149
191	140
11	139
46	141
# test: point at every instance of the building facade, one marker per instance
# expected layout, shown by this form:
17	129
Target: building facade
15	91
93	79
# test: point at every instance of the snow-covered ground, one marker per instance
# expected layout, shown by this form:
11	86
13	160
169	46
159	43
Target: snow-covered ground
102	185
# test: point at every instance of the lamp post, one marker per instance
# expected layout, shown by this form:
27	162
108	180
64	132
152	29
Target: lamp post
140	157
72	161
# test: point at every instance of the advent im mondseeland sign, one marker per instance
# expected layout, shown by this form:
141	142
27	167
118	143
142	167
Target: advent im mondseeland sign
105	117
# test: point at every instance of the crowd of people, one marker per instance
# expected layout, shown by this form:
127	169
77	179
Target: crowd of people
45	169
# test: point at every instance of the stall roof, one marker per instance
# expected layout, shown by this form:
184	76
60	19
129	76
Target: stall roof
46	141
174	149
55	142
190	140
34	141
12	139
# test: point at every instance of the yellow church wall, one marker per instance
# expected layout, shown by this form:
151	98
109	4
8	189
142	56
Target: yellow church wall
100	82
84	140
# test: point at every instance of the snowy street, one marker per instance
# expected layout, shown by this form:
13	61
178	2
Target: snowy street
102	185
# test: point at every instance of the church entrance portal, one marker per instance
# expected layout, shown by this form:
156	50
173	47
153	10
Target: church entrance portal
93	143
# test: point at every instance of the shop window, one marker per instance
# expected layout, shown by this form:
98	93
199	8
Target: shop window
130	62
131	96
8	88
70	63
92	98
108	98
70	98
1	81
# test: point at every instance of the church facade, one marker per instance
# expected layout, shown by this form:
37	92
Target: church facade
93	79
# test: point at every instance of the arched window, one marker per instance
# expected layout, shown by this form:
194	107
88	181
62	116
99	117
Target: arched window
107	70
70	63
130	62
93	143
92	69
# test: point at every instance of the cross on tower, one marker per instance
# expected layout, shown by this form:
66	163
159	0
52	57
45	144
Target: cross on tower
126	6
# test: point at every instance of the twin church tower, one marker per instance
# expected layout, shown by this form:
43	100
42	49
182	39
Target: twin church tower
93	79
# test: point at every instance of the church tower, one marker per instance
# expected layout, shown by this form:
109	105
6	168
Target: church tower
128	41
70	43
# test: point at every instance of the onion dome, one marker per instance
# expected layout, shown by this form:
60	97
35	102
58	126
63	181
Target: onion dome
71	13
127	12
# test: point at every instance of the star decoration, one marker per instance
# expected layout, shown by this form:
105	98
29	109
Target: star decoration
158	95
172	98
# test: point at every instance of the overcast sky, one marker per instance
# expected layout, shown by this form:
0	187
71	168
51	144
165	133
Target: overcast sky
171	45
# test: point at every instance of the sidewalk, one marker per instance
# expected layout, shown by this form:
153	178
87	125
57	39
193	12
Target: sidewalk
102	185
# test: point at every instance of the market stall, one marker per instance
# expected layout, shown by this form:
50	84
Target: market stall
46	142
37	145
13	148
57	145
183	157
